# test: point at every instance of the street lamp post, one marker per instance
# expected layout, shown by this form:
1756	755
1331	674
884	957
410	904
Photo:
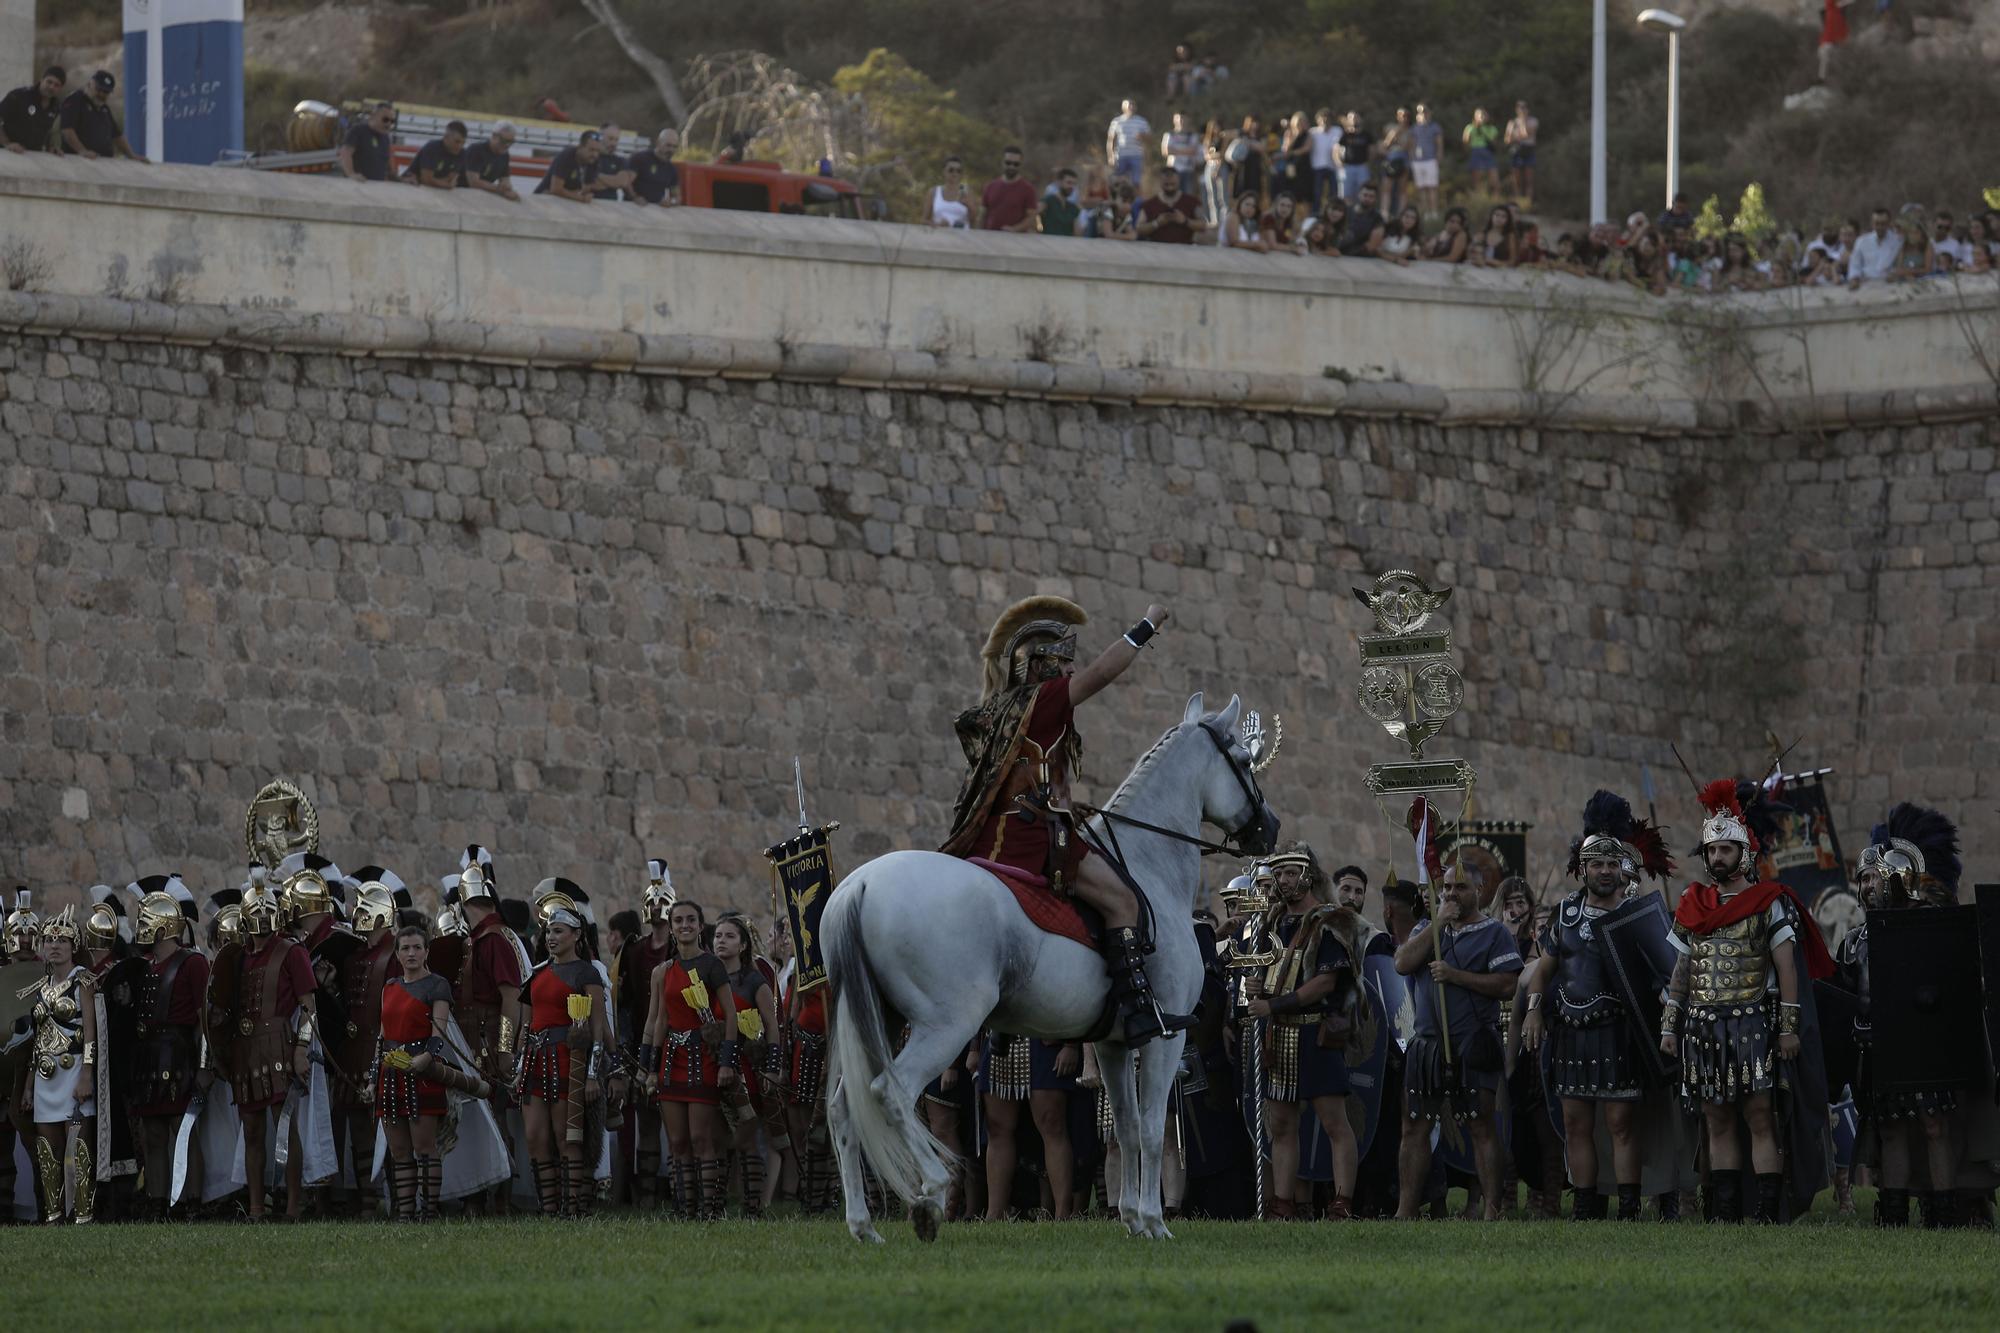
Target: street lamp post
1670	23
1598	210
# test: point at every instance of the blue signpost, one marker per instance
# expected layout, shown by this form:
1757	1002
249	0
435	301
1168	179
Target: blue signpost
201	50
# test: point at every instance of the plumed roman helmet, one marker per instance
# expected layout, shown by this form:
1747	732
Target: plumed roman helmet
1915	851
658	902
475	879
561	900
166	909
105	924
307	882
22	927
261	912
61	926
379	896
1031	629
1611	830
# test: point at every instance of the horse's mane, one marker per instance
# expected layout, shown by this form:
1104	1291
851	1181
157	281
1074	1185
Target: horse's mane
1139	770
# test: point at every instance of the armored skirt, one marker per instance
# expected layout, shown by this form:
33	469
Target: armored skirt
166	1053
805	1056
1297	1068
1591	1057
407	1008
694	995
545	1055
1434	1089
1727	1050
1011	1067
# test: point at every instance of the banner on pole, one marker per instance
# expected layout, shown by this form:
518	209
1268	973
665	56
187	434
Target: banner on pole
803	871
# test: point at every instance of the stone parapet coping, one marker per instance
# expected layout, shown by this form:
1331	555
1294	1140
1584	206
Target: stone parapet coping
100	317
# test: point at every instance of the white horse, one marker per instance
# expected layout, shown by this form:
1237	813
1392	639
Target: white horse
942	944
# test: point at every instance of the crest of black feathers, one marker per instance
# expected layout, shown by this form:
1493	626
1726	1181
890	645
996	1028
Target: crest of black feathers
1609	813
1934	835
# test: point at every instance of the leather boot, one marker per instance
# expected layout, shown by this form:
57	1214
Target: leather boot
430	1187
646	1183
1341	1209
548	1185
714	1189
753	1184
1940	1210
1670	1206
1770	1197
1727	1186
579	1188
1279	1210
1892	1207
1139	1013
50	1167
1583	1204
1628	1203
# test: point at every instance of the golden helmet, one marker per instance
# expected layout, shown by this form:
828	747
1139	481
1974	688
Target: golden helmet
229	925
61	926
475	878
558	895
379	896
262	912
105	925
307	881
658	903
166	908
22	927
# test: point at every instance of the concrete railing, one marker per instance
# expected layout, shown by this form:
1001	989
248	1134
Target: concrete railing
213	255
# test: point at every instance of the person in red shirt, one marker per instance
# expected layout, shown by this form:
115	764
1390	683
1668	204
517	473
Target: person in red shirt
690	1051
735	946
167	1061
565	1055
803	1085
1008	203
1173	216
415	1009
271	1023
640	958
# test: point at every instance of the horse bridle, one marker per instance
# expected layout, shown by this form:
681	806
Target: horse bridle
1226	847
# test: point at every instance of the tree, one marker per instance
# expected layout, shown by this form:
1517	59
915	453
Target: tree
912	126
654	68
1708	224
1753	217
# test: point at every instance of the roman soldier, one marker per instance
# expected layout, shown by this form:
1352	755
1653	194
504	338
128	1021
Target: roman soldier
1012	815
1594	1059
641	957
1911	862
19	933
380	896
268	1008
170	1054
492	967
568	1054
801	1080
1310	996
1735	1009
690	1051
106	936
64	1068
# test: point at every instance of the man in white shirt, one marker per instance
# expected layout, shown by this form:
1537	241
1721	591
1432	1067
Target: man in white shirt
1875	252
1125	144
1181	147
1944	243
1325	135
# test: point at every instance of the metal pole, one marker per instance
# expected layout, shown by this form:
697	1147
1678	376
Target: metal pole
156	81
1673	116
1598	210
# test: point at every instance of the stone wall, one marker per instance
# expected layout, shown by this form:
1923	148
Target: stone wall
588	617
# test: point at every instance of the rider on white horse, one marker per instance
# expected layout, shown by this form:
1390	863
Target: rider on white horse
1013	811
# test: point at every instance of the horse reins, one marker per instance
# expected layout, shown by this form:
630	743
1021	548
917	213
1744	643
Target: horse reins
1225	848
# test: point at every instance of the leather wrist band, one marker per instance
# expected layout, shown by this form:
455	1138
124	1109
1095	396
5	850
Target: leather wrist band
1286	1003
1141	633
728	1053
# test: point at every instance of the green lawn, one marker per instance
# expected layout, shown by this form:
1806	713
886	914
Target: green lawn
621	1273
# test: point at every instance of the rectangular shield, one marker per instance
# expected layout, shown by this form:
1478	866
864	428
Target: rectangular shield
1986	902
803	868
1634	937
1924	1000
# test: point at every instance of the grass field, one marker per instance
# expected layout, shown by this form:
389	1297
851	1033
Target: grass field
623	1273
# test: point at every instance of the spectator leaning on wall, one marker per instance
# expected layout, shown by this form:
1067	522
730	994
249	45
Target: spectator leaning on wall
1875	251
613	179
489	166
1172	216
440	164
655	178
571	174
1061	205
364	156
29	114
1008	202
88	127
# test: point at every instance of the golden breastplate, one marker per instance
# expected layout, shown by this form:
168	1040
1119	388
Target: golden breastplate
1733	965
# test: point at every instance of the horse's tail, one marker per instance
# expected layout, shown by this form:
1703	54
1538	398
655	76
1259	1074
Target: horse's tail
859	1052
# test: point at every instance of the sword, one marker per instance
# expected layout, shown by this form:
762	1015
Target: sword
183	1139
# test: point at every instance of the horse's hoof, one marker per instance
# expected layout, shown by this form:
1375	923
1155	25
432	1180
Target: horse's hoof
925	1216
865	1231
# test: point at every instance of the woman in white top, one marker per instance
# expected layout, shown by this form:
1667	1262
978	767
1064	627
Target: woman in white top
1241	232
950	204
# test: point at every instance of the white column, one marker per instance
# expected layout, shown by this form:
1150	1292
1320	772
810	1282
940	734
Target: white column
156	82
1598	210
1673	116
17	43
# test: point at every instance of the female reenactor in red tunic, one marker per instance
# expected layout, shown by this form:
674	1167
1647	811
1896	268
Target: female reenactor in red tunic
565	1061
735	945
804	1091
690	1051
416	1009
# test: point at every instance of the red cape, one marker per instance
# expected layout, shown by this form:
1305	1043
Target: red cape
1704	911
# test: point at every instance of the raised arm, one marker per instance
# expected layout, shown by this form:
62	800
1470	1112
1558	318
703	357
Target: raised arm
1123	651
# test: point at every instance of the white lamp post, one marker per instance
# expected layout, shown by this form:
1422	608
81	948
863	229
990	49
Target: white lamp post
1597	204
1661	20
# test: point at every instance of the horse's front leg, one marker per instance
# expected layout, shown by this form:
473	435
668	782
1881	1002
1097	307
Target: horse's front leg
1114	1066
1159	1064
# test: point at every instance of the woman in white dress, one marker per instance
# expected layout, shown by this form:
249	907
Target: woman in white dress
63	1070
950	204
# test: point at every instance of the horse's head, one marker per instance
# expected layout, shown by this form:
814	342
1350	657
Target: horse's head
1230	797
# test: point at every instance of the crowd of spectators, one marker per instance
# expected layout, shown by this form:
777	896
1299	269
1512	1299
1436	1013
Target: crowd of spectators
37	118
